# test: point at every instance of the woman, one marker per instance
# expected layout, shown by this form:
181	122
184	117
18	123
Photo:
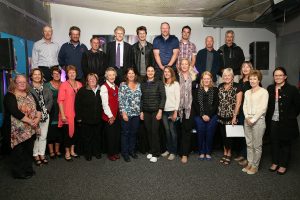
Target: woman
245	85
230	97
129	102
45	100
88	108
54	133
153	103
254	120
283	109
66	102
170	111
22	117
109	96
185	108
206	121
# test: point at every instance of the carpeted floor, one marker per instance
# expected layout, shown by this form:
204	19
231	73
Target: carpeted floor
140	179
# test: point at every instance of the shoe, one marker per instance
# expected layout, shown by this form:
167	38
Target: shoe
227	160
184	159
98	156
222	160
243	163
58	154
239	158
75	155
126	158
281	173
273	169
149	156
134	155
153	159
44	161
88	158
52	156
252	170
165	154
171	157
37	162
245	169
68	159
117	156
23	177
112	158
201	157
208	157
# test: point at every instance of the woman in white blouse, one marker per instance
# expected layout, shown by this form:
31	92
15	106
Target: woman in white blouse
255	107
170	111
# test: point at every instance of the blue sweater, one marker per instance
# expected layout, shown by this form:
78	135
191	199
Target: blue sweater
71	55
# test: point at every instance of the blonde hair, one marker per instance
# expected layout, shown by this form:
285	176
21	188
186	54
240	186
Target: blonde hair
13	84
119	28
192	72
211	77
110	69
229	71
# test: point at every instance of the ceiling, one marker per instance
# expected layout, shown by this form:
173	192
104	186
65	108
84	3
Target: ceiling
241	10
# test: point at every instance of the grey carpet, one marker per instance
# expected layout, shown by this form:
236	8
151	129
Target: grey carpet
140	179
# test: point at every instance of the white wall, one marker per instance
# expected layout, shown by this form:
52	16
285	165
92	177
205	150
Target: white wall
93	21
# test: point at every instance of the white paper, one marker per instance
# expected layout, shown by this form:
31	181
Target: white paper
235	131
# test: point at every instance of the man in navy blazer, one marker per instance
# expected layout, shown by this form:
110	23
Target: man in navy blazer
208	59
119	54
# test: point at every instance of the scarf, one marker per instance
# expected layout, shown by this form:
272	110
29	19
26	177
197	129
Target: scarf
41	100
185	96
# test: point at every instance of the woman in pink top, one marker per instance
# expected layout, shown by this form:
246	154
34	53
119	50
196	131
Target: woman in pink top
66	100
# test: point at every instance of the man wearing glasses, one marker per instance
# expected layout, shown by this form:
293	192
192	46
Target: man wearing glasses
143	52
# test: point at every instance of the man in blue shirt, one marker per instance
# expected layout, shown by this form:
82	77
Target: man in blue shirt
165	48
71	52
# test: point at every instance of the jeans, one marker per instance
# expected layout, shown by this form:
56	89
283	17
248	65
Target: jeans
128	136
205	131
171	133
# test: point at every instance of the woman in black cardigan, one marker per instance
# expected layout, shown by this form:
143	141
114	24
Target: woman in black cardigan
283	109
152	104
88	106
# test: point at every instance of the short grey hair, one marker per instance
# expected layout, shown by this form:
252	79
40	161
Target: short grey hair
110	69
228	71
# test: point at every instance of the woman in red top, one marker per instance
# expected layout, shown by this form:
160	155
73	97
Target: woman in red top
109	97
66	101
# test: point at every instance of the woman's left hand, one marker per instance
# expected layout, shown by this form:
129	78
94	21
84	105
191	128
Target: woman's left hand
159	115
234	121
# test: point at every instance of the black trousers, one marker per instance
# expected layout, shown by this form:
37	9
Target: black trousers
281	149
152	130
68	141
227	141
21	157
91	135
112	137
186	135
47	73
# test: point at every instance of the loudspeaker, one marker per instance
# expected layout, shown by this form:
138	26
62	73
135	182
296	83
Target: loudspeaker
259	55
7	58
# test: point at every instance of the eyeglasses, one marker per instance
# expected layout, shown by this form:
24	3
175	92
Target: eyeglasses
281	75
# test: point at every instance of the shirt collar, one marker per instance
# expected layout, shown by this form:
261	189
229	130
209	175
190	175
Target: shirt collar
109	84
78	44
44	41
188	42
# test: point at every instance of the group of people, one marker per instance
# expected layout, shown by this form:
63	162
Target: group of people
165	84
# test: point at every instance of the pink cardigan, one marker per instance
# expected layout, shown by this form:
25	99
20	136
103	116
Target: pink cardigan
66	96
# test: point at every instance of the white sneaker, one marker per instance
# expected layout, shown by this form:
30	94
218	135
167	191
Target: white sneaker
149	156
171	157
153	159
165	154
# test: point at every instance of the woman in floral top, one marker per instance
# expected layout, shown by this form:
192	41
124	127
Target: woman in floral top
129	102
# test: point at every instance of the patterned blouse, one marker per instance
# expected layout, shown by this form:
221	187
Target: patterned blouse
227	101
130	100
21	131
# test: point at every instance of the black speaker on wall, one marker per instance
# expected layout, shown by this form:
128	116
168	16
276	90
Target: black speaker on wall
259	55
7	58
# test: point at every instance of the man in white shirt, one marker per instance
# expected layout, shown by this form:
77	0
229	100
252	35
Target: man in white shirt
45	53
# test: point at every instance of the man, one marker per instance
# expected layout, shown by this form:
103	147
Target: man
94	60
119	54
208	59
142	52
232	55
45	53
187	49
71	52
165	49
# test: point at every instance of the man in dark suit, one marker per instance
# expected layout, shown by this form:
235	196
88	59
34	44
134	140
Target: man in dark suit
119	54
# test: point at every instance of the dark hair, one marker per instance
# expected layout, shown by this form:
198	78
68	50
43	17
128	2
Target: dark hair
36	69
141	28
188	27
280	69
74	28
94	38
55	69
134	71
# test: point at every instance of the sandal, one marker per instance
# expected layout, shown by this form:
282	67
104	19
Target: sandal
52	155
227	160
75	155
58	154
44	160
223	159
37	162
68	159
